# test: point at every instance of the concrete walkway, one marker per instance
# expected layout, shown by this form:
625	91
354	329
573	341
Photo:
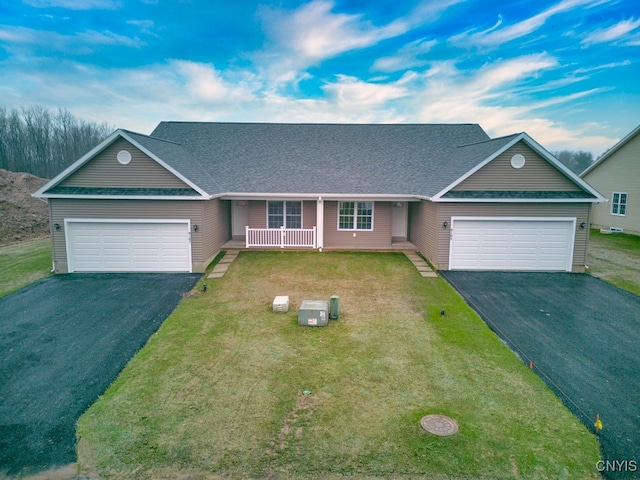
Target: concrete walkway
423	267
221	268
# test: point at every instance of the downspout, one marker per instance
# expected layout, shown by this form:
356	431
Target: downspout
320	223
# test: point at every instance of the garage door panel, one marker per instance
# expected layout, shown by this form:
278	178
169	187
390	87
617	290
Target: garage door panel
128	246
511	244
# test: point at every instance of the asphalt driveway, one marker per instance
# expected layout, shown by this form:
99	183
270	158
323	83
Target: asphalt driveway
62	342
583	337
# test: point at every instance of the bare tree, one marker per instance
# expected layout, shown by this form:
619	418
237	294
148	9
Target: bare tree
576	161
42	143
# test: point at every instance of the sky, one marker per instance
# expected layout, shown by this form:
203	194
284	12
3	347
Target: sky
567	72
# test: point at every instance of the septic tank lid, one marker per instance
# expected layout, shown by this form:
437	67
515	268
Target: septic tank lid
439	425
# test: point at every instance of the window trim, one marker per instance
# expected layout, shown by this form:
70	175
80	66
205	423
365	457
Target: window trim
284	214
619	203
354	218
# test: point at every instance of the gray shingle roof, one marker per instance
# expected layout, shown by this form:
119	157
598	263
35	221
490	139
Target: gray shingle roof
180	159
402	159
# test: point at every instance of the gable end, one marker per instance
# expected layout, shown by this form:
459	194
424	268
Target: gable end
106	171
535	175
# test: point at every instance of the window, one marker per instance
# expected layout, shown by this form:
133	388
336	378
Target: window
284	214
355	216
619	204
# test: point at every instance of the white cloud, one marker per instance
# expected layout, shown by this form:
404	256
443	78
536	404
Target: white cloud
145	26
498	35
366	101
204	82
138	98
82	43
312	33
76	4
409	56
613	33
444	94
606	66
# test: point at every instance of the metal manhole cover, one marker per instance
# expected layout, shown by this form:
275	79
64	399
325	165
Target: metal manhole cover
439	425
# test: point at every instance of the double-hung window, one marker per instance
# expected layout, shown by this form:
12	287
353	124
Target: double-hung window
619	204
284	214
355	216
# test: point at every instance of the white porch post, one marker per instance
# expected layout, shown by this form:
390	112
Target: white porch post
320	223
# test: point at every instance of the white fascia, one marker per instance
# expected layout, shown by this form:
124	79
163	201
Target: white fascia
517	200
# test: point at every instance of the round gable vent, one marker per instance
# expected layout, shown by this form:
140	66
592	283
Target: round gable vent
517	161
124	157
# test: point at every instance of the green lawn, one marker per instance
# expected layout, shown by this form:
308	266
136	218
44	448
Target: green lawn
615	258
24	263
218	390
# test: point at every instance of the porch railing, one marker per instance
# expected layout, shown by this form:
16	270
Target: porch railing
281	237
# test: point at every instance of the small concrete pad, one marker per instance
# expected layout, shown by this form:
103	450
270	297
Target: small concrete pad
429	274
216	275
423	268
421	265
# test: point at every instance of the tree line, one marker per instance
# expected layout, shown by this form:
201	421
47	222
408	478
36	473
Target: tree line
576	161
43	143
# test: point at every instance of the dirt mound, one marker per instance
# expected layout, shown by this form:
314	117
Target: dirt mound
23	217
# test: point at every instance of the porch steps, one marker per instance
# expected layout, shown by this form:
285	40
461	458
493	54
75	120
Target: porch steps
423	267
221	268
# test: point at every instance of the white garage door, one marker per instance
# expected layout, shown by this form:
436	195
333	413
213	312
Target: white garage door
128	246
526	244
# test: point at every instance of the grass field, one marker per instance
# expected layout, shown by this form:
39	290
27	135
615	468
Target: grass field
616	259
218	391
24	263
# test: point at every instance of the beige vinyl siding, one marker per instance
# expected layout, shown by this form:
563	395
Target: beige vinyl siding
309	214
216	228
422	233
124	209
578	210
258	214
618	173
104	170
536	175
378	238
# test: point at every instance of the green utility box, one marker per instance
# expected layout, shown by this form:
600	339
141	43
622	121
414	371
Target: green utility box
334	307
313	313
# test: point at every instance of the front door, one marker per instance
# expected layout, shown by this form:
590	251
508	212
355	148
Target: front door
399	221
240	218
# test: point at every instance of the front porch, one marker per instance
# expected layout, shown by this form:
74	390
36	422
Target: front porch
318	224
241	244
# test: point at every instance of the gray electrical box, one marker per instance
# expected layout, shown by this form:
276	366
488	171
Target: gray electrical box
313	313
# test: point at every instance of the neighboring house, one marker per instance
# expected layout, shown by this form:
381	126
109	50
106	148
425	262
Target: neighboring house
170	201
616	175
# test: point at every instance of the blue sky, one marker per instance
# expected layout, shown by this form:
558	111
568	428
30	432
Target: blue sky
565	71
